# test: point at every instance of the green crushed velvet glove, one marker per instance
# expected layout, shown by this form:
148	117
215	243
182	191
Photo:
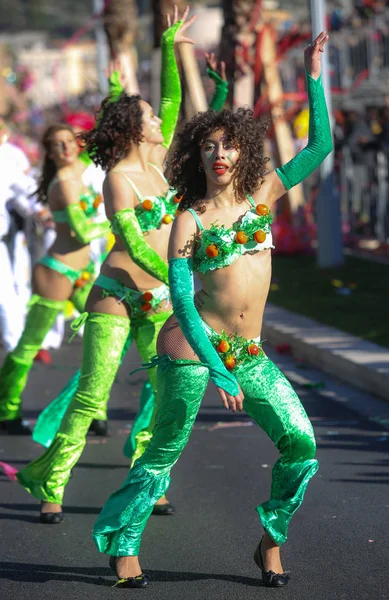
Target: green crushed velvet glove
170	85
221	90
319	138
182	294
125	224
84	230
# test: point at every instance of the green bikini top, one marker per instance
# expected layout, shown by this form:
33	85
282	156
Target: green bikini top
154	211
89	202
221	246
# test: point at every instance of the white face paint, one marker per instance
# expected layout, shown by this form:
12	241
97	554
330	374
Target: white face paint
219	157
151	129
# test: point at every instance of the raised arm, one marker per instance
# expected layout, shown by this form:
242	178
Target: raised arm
182	294
170	77
220	79
319	137
67	193
120	195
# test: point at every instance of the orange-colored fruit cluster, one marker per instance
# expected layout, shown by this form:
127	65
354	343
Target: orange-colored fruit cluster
223	347
177	199
146	299
212	251
260	236
97	201
230	362
253	350
146	307
84	205
147	204
262	209
241	237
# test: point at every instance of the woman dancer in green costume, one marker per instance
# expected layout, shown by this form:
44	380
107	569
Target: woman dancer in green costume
219	168
62	274
130	298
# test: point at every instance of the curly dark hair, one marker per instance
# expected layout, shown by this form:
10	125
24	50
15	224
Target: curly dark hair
118	125
49	169
246	132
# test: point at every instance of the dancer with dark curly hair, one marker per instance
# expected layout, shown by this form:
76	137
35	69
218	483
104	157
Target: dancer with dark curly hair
63	273
225	237
130	298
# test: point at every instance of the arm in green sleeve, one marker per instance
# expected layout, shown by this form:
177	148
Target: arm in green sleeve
84	230
221	90
182	294
126	225
319	138
170	85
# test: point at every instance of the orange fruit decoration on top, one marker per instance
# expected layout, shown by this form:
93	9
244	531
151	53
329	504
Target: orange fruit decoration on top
177	199
147	297
84	205
230	362
253	350
146	307
223	347
262	209
167	219
97	201
147	204
241	237
260	236
86	275
78	283
212	251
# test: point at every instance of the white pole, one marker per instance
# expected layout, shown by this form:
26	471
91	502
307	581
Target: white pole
102	50
329	224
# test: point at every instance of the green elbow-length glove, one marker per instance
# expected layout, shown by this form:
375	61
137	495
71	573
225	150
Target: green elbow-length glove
182	294
170	85
84	230
221	90
319	138
125	224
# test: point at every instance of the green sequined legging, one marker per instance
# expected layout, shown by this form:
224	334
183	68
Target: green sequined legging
104	339
271	403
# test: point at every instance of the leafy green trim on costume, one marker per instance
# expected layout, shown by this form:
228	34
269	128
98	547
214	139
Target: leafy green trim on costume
319	138
238	347
84	231
170	85
90	201
126	225
162	206
224	239
221	90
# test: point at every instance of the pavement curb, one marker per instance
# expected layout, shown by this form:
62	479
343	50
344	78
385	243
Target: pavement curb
349	358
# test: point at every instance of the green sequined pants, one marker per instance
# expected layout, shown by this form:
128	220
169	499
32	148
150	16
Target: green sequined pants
103	342
269	400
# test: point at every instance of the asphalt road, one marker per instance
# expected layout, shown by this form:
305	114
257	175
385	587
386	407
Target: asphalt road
339	541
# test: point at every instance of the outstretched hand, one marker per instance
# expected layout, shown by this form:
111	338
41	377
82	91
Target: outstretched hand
212	64
180	38
115	65
312	55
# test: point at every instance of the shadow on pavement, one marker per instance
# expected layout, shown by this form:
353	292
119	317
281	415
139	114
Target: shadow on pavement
94	575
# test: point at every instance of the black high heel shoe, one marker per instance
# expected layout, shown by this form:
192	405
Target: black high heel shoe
269	578
15	427
99	427
140	581
163	510
51	518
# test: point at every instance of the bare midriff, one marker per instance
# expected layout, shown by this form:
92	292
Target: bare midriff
67	249
119	265
233	298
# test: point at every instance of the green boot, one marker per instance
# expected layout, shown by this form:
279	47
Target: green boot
14	373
